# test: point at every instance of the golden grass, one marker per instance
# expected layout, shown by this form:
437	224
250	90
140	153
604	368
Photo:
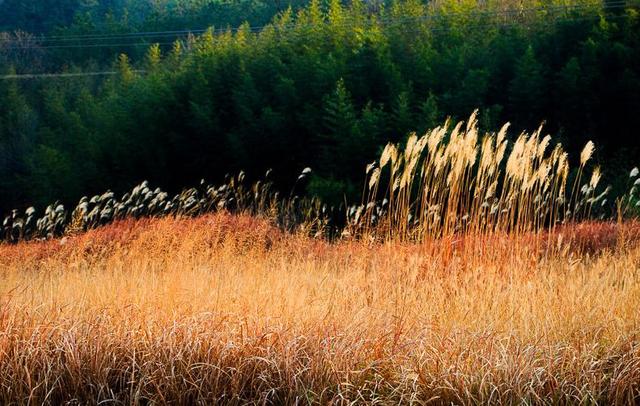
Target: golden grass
452	180
229	309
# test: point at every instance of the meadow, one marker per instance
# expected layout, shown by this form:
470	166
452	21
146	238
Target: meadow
229	309
475	270
343	259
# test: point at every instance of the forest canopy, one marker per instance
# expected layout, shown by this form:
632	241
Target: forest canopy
323	84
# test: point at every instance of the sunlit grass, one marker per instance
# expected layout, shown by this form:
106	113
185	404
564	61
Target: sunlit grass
228	308
471	273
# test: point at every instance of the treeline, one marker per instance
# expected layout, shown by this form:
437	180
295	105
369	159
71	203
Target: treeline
75	16
324	87
37	35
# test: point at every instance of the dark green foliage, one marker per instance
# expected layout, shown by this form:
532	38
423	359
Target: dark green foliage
18	127
323	87
44	16
527	88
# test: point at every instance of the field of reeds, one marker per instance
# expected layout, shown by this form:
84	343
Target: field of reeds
227	308
475	270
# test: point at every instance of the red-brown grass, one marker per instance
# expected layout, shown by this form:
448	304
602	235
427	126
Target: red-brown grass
228	309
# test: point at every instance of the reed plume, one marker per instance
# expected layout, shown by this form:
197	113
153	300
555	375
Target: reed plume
454	180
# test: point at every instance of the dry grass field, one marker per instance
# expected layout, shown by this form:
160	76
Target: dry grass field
228	309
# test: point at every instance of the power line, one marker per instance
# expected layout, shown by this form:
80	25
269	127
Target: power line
92	45
183	33
62	75
404	29
576	7
415	30
432	29
134	44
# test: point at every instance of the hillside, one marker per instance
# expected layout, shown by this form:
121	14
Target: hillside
74	16
325	87
319	202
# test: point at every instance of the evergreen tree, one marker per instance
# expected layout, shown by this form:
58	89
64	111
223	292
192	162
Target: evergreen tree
17	137
340	122
527	90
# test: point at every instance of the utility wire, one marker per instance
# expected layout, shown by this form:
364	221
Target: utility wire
147	43
404	29
182	33
388	24
63	75
576	7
